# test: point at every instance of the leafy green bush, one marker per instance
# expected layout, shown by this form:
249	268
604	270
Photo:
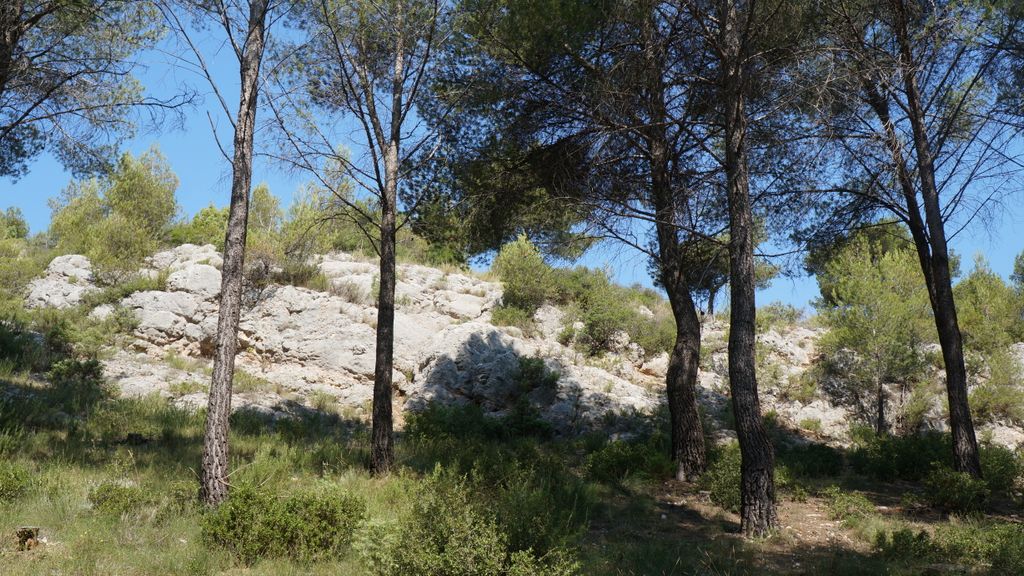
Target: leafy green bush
117	499
15	481
306	525
79	383
208	226
512	316
812	460
965	542
1001	396
778	315
899	457
1000	467
527	278
449	534
119	219
617	461
722	478
954	491
847	506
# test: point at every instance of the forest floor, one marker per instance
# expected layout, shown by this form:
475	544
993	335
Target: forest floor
71	444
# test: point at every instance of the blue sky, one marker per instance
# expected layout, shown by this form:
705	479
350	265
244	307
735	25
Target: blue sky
205	178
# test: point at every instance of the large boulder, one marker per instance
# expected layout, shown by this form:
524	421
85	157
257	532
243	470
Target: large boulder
68	279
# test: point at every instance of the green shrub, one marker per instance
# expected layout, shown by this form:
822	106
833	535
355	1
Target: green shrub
512	316
527	278
306	525
617	461
954	491
908	458
448	534
722	478
15	481
117	499
778	315
964	542
1001	396
812	460
79	384
119	219
1000	467
847	506
208	226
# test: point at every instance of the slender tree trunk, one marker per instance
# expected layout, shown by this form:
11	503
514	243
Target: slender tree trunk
965	444
712	295
880	427
758	515
382	450
213	488
382	454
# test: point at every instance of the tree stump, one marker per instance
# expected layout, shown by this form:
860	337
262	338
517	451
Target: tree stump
28	537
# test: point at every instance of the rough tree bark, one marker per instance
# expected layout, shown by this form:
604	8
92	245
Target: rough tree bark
758	514
965	444
382	449
687	433
213	487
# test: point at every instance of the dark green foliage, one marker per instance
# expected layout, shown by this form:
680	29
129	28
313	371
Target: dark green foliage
954	491
847	506
617	461
527	278
449	533
909	458
961	542
117	499
512	316
722	478
1000	467
208	226
811	460
305	525
15	481
80	382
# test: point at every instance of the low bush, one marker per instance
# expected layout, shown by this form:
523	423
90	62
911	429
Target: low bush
1000	467
79	384
527	278
617	461
954	491
847	507
447	533
886	457
996	544
722	478
15	481
305	525
811	460
512	316
778	315
117	499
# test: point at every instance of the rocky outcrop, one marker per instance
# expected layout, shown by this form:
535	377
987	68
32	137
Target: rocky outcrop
303	345
68	279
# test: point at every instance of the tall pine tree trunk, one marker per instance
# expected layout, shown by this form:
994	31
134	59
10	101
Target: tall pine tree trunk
382	449
758	515
965	445
687	432
213	487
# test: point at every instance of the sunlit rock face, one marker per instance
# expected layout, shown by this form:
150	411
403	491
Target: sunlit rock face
300	347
